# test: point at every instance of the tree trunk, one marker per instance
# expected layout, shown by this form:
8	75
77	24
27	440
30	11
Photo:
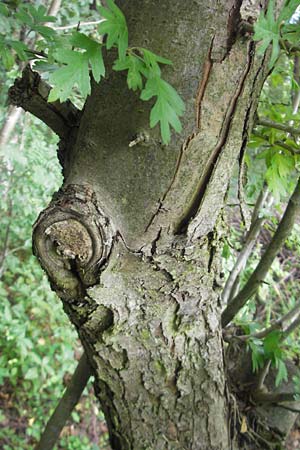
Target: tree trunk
131	242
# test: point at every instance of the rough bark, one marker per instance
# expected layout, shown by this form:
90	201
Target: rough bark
131	242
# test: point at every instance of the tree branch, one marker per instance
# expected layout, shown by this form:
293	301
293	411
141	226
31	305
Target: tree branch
31	93
284	229
278	126
65	406
256	224
82	24
273	397
53	9
276	325
289	148
292	327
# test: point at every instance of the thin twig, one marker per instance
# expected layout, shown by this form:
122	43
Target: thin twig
278	126
292	327
263	375
256	224
65	406
82	24
284	229
282	144
276	325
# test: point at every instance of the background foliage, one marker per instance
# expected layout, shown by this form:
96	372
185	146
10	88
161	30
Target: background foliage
38	347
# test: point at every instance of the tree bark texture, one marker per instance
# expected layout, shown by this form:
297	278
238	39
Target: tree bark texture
131	242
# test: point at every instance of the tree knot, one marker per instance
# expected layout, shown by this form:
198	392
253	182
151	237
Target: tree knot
72	239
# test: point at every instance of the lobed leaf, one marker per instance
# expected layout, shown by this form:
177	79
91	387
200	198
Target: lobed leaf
167	108
115	27
75	72
135	67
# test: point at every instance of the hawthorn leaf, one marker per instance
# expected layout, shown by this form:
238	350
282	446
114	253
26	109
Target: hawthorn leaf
20	48
267	30
167	108
6	56
284	164
115	27
152	61
93	53
288	10
135	67
75	72
282	373
40	14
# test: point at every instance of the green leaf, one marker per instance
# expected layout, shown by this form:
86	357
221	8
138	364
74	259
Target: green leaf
6	56
284	164
226	253
4	11
267	30
20	48
275	183
46	32
40	14
291	33
93	53
75	72
115	27
272	345
23	17
136	68
282	373
152	61
288	10
167	108
257	353
31	374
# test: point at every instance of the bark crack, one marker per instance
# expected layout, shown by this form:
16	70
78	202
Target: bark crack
203	83
215	154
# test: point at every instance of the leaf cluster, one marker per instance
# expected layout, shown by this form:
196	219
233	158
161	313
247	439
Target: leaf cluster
269	349
270	29
70	59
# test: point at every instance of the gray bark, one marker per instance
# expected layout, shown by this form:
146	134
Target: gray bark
131	243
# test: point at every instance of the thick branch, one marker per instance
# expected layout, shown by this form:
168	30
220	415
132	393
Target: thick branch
65	406
284	229
31	93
